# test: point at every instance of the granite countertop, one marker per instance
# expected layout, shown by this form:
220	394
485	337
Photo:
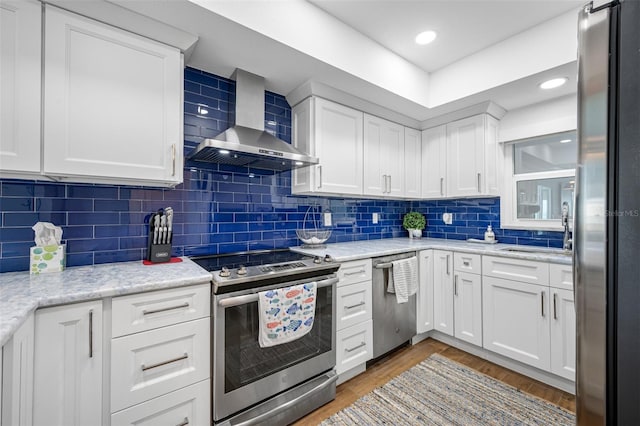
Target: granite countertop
22	293
342	252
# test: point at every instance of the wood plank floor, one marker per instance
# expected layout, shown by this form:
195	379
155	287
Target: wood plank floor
405	358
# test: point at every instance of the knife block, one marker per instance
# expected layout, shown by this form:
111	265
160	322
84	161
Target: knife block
158	253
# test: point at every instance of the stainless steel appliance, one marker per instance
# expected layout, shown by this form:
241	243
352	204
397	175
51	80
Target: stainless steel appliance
393	323
607	224
278	384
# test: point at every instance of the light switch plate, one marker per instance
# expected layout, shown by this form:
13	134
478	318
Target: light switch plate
374	218
447	218
327	218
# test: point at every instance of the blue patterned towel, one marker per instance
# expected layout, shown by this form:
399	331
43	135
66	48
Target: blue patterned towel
286	313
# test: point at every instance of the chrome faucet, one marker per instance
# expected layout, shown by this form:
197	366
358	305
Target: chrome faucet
567	242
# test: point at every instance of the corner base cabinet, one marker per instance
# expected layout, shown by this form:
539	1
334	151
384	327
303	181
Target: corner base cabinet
68	365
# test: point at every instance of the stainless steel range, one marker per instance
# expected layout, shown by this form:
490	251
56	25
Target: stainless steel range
279	384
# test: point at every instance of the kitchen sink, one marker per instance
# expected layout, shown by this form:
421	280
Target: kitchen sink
538	250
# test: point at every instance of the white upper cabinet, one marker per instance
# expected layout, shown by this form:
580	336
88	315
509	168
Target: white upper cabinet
460	159
20	76
383	157
412	163
112	104
334	134
434	162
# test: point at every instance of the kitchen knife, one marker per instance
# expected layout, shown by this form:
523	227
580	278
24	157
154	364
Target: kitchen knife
169	213
163	229
156	227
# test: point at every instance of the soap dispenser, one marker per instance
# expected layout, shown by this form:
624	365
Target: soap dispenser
489	235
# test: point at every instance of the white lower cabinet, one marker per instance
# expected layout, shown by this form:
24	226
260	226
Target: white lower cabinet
68	365
516	320
563	334
150	364
16	365
353	304
424	299
186	406
354	346
443	291
467	307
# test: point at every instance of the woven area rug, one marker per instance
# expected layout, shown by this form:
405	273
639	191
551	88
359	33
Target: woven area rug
439	391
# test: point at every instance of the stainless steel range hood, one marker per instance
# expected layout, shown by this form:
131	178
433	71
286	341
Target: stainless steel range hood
247	143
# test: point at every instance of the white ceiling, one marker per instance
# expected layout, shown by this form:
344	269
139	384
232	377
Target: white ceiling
463	26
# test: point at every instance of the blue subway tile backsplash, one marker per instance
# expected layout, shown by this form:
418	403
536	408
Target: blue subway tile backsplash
218	208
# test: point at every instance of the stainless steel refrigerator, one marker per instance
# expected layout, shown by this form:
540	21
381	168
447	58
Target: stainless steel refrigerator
607	217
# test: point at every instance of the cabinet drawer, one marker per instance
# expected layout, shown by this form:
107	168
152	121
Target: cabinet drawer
561	276
526	271
150	364
146	311
354	272
353	304
190	405
354	346
465	262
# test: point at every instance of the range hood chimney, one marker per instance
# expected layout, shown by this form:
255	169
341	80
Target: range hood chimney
247	143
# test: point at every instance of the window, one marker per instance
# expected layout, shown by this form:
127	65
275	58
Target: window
539	179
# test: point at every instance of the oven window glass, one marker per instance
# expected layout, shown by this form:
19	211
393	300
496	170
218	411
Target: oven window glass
246	362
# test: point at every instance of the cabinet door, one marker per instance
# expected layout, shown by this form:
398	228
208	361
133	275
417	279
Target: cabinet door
563	334
443	291
20	77
302	138
112	105
339	145
515	319
467	307
434	162
412	163
383	157
424	300
465	156
354	346
17	379
68	365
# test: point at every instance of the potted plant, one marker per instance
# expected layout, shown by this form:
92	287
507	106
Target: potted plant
414	222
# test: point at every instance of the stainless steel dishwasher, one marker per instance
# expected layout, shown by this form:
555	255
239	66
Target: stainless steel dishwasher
393	323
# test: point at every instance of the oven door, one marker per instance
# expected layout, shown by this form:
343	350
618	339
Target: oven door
243	372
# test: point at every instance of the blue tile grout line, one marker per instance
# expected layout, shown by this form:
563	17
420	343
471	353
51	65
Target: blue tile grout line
219	208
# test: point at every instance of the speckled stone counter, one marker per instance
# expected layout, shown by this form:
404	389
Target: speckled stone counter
21	293
343	252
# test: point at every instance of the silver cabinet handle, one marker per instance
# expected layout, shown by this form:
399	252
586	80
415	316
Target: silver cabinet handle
185	422
160	364
91	333
356	347
384	184
465	262
542	302
170	308
555	308
356	305
455	285
479	186
348	274
319	176
442	186
447	264
389	185
173	159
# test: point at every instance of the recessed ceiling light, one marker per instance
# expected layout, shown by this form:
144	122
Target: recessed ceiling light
223	151
553	83
565	141
426	37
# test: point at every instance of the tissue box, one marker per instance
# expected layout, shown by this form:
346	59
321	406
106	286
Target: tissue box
48	259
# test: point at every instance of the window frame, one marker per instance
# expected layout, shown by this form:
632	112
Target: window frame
508	205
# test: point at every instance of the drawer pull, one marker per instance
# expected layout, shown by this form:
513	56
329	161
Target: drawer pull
160	364
555	309
455	285
348	274
447	264
356	347
170	308
356	305
542	302
466	263
185	422
91	333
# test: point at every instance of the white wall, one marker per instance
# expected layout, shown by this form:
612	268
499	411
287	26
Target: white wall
554	116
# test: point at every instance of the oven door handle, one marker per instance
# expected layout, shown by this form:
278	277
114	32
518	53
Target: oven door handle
248	298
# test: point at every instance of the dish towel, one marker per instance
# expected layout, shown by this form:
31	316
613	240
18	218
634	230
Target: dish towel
286	313
403	279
